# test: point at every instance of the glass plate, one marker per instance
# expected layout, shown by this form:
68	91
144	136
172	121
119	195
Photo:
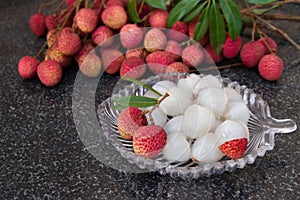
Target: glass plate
262	127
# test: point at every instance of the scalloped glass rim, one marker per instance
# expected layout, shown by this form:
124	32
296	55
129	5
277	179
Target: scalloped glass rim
261	122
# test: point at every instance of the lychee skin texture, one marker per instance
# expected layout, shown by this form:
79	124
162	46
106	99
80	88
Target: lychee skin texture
133	67
55	54
84	51
49	73
192	56
114	17
235	148
271	67
91	65
272	44
174	48
177	67
27	67
37	24
131	35
51	38
231	48
211	56
159	61
129	121
68	42
158	18
251	53
114	3
112	60
50	22
178	32
141	53
86	20
148	141
102	36
155	40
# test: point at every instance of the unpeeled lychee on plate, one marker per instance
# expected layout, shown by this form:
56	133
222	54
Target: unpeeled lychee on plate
155	40
192	55
114	17
49	73
68	42
133	67
251	53
158	18
271	67
131	35
37	24
27	67
148	141
86	20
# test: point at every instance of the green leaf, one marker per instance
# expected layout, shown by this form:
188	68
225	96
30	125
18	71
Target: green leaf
261	11
233	18
261	2
180	10
132	11
202	25
134	101
142	84
217	31
190	16
160	4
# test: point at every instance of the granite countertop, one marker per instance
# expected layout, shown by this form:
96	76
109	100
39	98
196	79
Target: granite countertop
43	157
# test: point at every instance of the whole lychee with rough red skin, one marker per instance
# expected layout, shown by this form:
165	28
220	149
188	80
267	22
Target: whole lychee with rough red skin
131	35
251	53
129	121
114	17
55	54
68	42
52	37
178	32
51	22
174	48
103	36
211	56
115	3
133	67
86	20
148	141
140	52
37	23
271	43
158	18
231	48
192	55
192	26
159	61
271	67
27	67
177	67
112	60
84	51
155	40
49	73
91	65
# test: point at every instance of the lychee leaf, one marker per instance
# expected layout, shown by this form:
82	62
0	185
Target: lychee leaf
233	18
160	4
142	84
261	2
180	10
190	16
134	101
202	25
132	11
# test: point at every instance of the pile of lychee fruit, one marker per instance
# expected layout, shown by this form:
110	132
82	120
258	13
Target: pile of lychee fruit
96	34
199	119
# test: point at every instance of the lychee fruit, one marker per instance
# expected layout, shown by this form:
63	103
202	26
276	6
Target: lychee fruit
133	67
52	37
114	17
155	40
140	52
131	35
70	2
68	42
84	50
178	32
149	141
91	65
159	61
271	44
271	67
49	73
55	54
158	18
103	36
231	47
114	3
37	24
86	20
192	55
191	31
129	121
51	22
237	110
211	56
177	67
112	60
251	53
27	67
174	49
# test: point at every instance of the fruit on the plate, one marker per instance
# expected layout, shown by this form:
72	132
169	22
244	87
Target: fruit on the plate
37	24
49	73
237	111
251	53
177	67
269	44
271	67
207	81
68	42
158	18
174	125
133	67
91	65
114	17
129	121
187	84
232	94
27	67
231	48
162	87
103	36
86	20
131	35
155	40
148	141
192	55
159	118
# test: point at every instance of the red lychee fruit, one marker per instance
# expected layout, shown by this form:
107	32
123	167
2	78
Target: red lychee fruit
271	67
70	2
52	37
131	35
158	18
133	67
211	56
234	148
114	17
155	40
174	49
49	73
37	23
192	55
178	32
55	54
91	65
271	43
115	3
112	60
148	141
140	52
129	121
51	22
251	53
159	61
84	51
68	42
177	67
231	47
103	36
27	67
192	26
86	20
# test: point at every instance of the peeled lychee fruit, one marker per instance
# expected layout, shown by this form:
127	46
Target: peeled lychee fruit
103	36
188	84
237	111
114	17
129	121
178	32
192	56
211	56
91	65
155	40
231	47
68	42
55	54
159	61
271	67
27	67
174	49
148	141
251	53
192	26
133	67
86	20
131	35
207	81
162	87
51	22
271	43
112	60
177	67
49	73
159	118
158	18
37	24
174	125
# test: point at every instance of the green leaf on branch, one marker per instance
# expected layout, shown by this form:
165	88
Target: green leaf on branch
217	33
190	16
261	11
160	4
180	10
142	84
134	101
132	11
233	18
201	25
261	2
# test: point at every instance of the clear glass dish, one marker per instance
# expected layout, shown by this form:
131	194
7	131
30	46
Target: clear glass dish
262	127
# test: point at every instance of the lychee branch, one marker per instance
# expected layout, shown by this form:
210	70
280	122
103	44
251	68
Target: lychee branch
154	107
46	5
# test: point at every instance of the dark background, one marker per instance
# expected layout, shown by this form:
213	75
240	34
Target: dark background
42	156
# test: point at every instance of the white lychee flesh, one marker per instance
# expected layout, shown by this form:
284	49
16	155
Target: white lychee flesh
237	111
159	118
174	124
232	94
188	83
208	81
162	87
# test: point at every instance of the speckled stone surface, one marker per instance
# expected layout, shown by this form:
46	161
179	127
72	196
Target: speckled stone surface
42	156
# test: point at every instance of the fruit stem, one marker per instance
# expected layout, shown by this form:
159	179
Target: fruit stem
262	35
141	6
78	3
154	107
46	5
252	19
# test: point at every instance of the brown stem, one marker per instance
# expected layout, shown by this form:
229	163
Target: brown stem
253	21
262	35
154	107
78	3
281	17
141	7
147	16
46	5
